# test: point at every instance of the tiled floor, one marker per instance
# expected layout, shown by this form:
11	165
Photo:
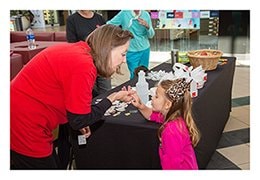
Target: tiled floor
238	124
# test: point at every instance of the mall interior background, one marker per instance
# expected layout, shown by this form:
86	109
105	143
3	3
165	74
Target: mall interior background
227	30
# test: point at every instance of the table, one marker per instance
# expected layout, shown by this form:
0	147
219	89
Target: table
27	54
130	142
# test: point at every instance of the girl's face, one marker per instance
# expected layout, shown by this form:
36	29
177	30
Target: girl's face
118	55
159	102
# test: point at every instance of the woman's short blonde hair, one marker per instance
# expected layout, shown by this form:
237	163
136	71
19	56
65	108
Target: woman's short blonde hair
102	40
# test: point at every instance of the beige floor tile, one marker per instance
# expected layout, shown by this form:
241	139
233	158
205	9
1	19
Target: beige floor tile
245	166
239	154
234	124
247	107
239	91
241	82
242	114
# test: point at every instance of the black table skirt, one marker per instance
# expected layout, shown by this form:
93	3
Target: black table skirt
130	142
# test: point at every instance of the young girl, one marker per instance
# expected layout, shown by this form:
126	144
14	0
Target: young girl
178	133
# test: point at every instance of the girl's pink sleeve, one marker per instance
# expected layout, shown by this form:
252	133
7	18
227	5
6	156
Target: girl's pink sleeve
156	117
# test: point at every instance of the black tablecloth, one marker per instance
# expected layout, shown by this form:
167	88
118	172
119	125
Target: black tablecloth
131	142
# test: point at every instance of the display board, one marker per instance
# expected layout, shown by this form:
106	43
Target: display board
176	19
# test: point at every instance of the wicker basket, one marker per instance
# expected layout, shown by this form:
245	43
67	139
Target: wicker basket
208	58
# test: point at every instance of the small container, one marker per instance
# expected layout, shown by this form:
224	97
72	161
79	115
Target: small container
174	56
142	87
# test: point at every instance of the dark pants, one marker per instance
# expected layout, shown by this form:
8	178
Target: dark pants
19	161
65	152
64	146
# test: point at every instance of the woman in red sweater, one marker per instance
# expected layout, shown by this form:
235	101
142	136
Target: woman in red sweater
55	87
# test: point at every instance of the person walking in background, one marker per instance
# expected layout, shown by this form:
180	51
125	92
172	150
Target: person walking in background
55	87
139	23
79	26
178	134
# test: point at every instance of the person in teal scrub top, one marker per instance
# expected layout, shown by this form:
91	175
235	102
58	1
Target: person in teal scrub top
139	23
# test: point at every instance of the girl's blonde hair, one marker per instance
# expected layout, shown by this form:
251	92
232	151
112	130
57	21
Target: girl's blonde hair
177	92
102	40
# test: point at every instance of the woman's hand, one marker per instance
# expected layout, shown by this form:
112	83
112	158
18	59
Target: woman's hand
85	131
124	95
